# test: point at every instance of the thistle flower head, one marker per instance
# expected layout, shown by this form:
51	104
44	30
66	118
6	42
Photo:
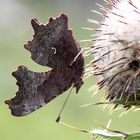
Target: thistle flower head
117	51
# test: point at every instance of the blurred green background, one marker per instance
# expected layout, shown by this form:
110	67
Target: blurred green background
15	30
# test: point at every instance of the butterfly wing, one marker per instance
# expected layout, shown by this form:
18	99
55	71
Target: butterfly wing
53	45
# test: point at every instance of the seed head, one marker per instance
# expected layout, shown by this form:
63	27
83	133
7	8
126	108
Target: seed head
117	51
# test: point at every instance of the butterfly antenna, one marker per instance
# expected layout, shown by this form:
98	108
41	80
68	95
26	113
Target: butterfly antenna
58	118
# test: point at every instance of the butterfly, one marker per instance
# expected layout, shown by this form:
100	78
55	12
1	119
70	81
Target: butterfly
54	46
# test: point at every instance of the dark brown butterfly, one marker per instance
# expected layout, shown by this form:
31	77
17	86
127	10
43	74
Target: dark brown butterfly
53	45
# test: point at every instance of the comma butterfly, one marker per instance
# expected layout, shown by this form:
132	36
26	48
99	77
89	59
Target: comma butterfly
53	45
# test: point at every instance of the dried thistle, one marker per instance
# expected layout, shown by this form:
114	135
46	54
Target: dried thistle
117	51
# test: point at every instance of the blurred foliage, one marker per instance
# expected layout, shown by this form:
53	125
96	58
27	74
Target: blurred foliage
109	135
15	30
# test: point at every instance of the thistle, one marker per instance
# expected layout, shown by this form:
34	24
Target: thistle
116	51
